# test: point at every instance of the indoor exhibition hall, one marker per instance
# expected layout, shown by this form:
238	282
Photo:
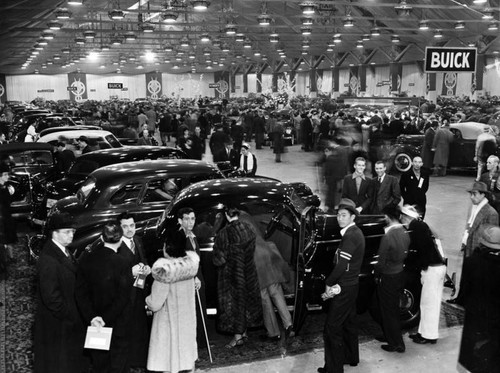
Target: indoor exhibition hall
268	186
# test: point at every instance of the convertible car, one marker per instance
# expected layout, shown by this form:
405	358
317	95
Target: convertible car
306	237
462	149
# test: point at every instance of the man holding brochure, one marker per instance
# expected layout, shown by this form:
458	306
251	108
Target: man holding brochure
103	284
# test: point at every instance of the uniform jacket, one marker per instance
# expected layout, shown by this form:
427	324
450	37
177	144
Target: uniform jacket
386	193
412	191
487	215
365	196
59	329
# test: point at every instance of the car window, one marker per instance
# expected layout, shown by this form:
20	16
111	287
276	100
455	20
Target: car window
32	157
85	190
113	141
457	135
160	190
127	194
83	167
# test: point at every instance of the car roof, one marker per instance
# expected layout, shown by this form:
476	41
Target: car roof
46	131
469	130
24	146
126	153
118	172
74	134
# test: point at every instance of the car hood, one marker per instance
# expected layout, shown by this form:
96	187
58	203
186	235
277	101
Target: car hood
70	205
64	187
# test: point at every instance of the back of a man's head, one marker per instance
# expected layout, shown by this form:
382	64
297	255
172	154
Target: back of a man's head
112	233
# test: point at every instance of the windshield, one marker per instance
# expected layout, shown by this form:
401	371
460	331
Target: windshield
113	141
83	167
297	202
85	190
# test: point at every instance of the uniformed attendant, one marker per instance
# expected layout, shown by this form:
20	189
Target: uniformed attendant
340	332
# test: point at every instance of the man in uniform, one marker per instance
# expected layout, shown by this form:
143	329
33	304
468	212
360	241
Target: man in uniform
340	332
414	183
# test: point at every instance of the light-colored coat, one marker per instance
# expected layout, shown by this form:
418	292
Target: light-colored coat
172	347
487	215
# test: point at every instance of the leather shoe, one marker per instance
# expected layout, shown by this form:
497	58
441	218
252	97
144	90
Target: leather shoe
422	341
322	370
455	301
266	338
381	338
390	348
416	335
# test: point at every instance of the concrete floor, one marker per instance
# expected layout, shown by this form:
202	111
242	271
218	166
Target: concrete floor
447	207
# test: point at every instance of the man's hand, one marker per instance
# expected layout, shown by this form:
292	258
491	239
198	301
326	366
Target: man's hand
137	269
146	270
197	283
97	322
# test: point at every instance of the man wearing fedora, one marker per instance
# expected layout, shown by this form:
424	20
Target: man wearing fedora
340	333
481	213
59	329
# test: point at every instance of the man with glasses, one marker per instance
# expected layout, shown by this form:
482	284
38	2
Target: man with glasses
59	329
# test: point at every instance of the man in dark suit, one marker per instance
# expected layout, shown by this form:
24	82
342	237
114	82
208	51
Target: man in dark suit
340	332
335	168
103	284
359	188
229	154
59	329
387	192
132	250
65	157
414	183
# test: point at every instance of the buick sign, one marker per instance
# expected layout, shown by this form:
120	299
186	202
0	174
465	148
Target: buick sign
459	60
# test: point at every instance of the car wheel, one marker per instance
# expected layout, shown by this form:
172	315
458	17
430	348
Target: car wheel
409	305
402	162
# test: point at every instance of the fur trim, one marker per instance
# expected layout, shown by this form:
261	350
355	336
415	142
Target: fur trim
170	270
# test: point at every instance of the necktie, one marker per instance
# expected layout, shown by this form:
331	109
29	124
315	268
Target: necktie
132	246
245	164
358	184
191	239
380	180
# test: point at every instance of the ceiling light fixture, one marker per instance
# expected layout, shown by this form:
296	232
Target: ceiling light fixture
38	47
216	43
75	2
79	40
240	38
306	30
200	4
89	34
274	38
57	57
130	36
54	25
48	35
42	41
116	14
337	39
264	20
205	38
62	13
168	48
66	50
403	9
488	14
256	53
307	21
184	42
348	22
169	16
479	1
230	29
308	8
359	44
438	34
147	27
459	25
225	48
247	44
116	40
423	25
366	37
493	26
395	39
375	31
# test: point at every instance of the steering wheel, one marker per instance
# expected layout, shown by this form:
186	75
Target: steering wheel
273	224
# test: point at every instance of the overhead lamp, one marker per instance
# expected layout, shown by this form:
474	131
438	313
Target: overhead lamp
168	48
274	38
307	21
366	37
42	41
191	56
75	2
395	39
306	30
116	40
423	25
184	42
479	1
403	8
180	52
359	44
206	52
216	43
230	29
38	47
130	36
79	40
247	44
147	27
438	34
178	58
493	26
35	52
304	52
116	14
57	57
256	53
348	22
44	66
308	8
337	39
306	43
375	31
169	16
48	35
54	25
62	13
104	47
209	67
329	49
205	38
471	44
264	20
66	50
36	71
240	38
225	48
89	34
167	60
140	67
132	58
200	4
282	55
488	14
459	25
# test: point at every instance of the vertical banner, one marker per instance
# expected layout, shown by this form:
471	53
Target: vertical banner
396	74
353	81
77	86
233	82
293	73
259	81
319	81
336	80
431	82
245	83
222	84
3	89
274	85
153	85
477	77
362	78
312	80
449	84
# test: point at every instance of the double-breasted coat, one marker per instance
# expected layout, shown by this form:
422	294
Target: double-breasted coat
59	329
386	193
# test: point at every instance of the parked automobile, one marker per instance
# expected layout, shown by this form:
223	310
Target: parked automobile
306	237
102	139
133	186
33	164
462	149
87	163
68	128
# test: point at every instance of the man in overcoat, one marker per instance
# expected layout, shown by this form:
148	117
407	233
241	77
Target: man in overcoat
334	171
359	188
427	151
441	146
103	284
387	192
59	329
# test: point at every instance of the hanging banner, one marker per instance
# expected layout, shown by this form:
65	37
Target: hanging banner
444	59
245	83
336	79
318	76
353	81
259	82
477	77
431	83
78	83
3	89
362	78
222	79
449	84
233	83
153	85
396	73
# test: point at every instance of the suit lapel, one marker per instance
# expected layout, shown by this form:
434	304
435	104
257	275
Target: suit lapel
56	252
478	219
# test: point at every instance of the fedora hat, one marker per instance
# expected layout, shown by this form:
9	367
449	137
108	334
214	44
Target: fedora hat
61	220
478	186
410	211
349	205
490	237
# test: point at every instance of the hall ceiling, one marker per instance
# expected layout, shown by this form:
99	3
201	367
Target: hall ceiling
24	23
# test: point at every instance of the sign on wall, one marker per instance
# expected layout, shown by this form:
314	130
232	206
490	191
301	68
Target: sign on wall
78	80
457	60
153	85
3	89
115	85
